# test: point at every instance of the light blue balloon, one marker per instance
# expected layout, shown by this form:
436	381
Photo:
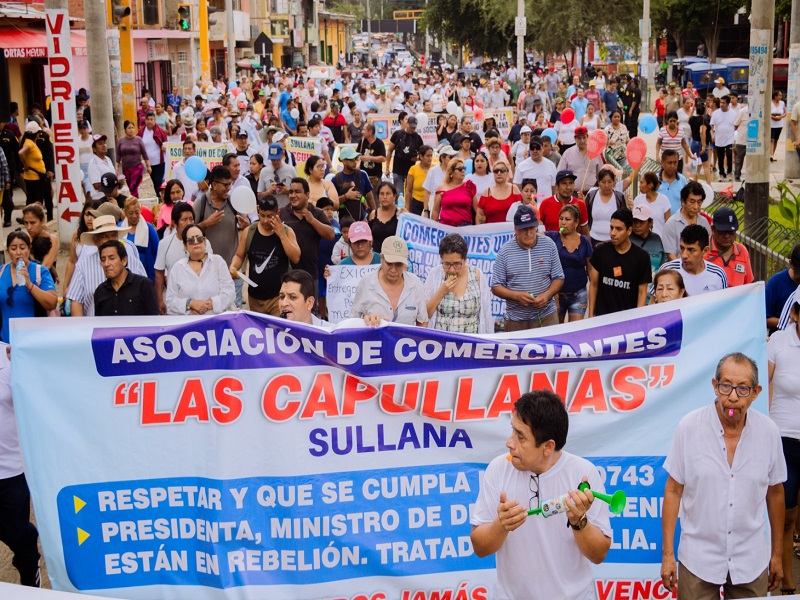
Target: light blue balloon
468	166
195	168
648	124
550	133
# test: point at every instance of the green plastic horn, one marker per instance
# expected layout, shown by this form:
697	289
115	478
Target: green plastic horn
557	505
616	502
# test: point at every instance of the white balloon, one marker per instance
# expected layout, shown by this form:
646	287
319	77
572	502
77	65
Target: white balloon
459	113
295	113
241	98
452	107
709	194
422	120
328	92
243	200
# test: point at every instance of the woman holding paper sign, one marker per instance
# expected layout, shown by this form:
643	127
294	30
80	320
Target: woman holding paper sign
458	296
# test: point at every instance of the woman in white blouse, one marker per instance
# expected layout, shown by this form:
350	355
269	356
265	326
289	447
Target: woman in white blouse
200	283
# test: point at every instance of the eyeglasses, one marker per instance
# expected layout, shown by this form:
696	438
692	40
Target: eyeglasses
533	485
743	391
452	265
500	171
223	184
458	168
196	239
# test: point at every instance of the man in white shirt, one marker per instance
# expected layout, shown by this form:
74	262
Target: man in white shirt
536	167
99	165
699	275
719	88
740	139
179	171
722	495
723	134
435	177
541	558
16	531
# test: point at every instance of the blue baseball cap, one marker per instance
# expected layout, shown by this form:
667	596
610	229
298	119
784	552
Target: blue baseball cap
275	152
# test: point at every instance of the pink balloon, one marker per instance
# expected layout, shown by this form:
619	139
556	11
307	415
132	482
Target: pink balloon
635	152
596	143
478	113
236	91
568	116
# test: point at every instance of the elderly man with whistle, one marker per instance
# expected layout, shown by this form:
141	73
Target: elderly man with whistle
726	469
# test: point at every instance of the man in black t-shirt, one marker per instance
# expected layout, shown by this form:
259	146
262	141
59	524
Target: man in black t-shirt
268	245
310	225
369	147
621	271
404	144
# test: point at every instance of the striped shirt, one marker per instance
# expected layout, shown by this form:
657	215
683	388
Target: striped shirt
785	320
89	275
710	279
532	271
671	142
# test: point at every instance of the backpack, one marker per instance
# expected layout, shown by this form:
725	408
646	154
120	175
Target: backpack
618	196
251	232
339	182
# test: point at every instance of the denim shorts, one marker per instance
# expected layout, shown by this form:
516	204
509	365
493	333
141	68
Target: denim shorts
574	303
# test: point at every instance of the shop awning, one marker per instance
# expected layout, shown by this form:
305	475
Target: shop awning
23	42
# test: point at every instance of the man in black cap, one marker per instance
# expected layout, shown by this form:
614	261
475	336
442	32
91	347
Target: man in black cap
725	251
109	185
527	274
404	145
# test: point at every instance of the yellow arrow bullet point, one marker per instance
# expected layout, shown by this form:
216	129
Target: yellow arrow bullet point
79	504
82	536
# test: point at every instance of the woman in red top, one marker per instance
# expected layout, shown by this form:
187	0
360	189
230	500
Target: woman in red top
493	206
660	107
454	199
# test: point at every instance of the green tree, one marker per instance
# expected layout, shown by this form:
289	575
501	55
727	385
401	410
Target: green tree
485	26
681	16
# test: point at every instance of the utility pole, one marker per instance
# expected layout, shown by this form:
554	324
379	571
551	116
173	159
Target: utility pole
230	41
427	38
762	22
99	72
520	29
644	70
129	105
791	169
68	197
369	33
205	53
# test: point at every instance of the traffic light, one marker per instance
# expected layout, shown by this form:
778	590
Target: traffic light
119	11
211	10
184	17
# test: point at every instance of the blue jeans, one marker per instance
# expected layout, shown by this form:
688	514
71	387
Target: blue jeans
574	303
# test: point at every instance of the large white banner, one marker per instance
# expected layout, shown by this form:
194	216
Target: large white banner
241	456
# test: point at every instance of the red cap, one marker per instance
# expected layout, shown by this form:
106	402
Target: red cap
581	130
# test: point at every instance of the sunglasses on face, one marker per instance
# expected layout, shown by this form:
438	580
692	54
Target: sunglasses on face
500	171
196	239
458	168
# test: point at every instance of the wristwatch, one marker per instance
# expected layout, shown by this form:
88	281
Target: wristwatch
582	523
